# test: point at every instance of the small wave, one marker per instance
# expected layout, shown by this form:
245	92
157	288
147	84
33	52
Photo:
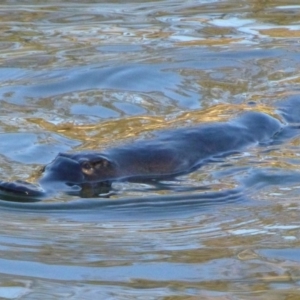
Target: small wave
155	206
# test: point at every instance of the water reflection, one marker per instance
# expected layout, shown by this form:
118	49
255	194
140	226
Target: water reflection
78	76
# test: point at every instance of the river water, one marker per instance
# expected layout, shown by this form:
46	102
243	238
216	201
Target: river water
79	76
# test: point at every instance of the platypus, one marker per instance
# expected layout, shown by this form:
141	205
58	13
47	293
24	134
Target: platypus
169	154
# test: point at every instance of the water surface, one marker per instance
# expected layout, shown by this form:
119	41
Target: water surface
80	76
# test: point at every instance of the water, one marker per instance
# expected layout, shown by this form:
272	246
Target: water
77	76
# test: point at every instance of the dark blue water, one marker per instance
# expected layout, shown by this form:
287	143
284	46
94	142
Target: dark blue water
86	76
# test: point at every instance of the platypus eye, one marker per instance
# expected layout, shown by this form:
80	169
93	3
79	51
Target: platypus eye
97	168
86	166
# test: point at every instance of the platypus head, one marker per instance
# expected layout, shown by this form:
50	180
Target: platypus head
80	168
97	167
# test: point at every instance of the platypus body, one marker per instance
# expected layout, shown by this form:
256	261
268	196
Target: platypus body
168	155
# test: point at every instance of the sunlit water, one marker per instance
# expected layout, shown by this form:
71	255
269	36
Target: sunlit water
77	76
